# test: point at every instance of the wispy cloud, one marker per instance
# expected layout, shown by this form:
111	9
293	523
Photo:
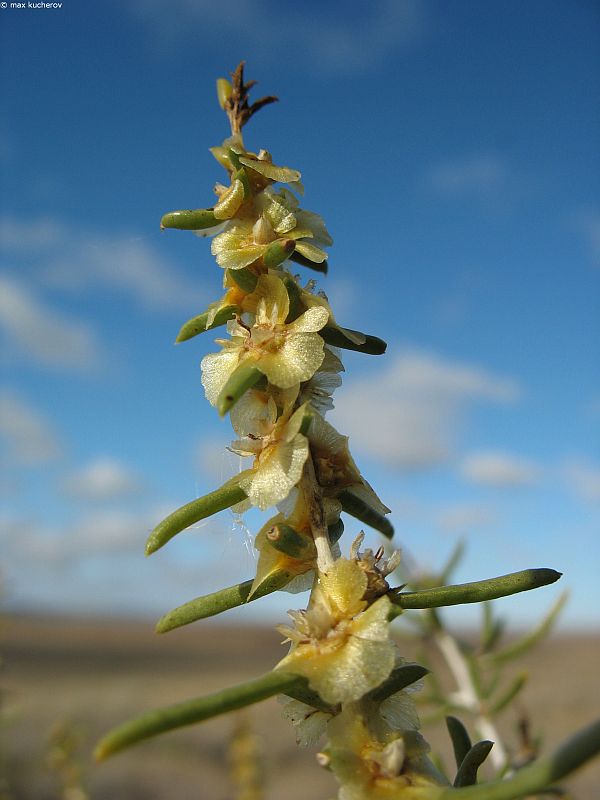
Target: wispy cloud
587	222
82	260
498	469
583	478
344	41
28	436
414	417
102	479
465	517
483	174
43	334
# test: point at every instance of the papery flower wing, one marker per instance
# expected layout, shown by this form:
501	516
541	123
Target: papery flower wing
235	248
254	413
344	585
216	369
309	723
271	300
311	251
271	171
316	224
297	360
279	469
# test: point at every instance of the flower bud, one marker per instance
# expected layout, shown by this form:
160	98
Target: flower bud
224	90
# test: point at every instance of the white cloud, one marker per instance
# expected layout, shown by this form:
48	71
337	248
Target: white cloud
479	174
408	414
30	236
44	334
465	518
498	469
102	479
28	436
83	260
340	41
583	479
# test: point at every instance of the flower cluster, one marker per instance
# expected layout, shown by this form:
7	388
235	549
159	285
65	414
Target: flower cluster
275	374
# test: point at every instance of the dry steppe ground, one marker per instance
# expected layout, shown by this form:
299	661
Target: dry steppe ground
91	675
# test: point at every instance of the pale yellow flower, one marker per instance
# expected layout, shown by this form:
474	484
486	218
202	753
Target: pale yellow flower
335	467
287	354
245	241
372	766
340	644
279	456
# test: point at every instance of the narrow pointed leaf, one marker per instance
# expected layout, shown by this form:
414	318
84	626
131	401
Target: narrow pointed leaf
477	591
293	291
224	90
306	262
454	560
467	772
538	776
245	278
537	634
335	531
199	709
211	604
198	324
277	252
461	741
225	497
492	630
371	346
241	379
509	695
357	508
190	220
399	679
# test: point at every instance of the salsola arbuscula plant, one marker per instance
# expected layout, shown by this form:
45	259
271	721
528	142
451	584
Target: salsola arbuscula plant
344	683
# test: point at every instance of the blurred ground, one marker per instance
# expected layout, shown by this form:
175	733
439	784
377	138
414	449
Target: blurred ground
91	675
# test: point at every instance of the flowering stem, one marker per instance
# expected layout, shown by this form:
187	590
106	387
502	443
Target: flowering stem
314	502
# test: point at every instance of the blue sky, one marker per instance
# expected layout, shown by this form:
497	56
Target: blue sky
451	149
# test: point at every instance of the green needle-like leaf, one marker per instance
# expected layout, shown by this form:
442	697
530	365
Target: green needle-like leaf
477	591
538	776
198	324
287	540
189	712
467	772
244	377
211	604
190	220
356	507
454	560
511	692
306	262
399	679
537	634
371	346
278	251
461	741
225	497
245	278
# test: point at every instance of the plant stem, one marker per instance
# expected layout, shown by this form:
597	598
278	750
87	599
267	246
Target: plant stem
468	697
314	502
